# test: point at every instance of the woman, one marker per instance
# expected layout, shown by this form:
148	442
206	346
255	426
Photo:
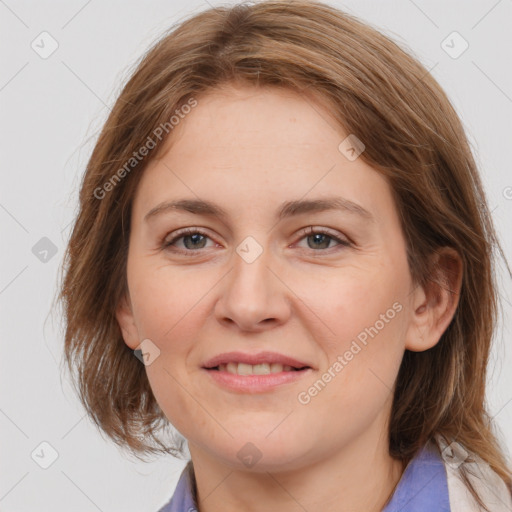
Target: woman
283	221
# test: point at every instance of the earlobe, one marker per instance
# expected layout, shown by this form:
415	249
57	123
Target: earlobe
126	321
435	303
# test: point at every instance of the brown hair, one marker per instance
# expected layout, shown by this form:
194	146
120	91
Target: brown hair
412	136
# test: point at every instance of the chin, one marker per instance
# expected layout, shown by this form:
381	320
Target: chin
259	453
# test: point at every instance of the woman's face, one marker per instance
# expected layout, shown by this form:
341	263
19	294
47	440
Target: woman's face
254	281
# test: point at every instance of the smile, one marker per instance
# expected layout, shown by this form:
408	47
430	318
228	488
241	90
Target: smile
236	377
256	369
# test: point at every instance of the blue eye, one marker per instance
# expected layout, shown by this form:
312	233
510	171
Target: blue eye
321	239
193	239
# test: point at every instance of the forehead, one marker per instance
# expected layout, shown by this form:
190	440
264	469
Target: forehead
243	144
255	117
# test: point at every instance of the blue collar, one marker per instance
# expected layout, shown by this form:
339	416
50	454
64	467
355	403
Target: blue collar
423	487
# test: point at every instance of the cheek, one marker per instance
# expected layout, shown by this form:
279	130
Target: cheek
361	304
168	306
363	340
355	385
164	298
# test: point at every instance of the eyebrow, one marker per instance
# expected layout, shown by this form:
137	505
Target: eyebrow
288	209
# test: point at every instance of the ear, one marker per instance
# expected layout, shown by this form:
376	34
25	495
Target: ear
434	304
125	319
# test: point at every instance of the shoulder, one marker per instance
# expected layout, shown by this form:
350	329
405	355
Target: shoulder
492	490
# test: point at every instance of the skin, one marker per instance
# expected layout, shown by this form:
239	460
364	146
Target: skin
249	150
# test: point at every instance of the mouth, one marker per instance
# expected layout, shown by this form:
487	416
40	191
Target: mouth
263	372
236	368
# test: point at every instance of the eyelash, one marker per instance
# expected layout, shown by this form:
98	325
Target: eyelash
309	231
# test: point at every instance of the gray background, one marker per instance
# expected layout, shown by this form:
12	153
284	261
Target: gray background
51	111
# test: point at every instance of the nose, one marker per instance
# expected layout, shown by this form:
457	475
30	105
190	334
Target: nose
253	296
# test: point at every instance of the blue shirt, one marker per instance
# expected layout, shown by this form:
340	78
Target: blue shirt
423	487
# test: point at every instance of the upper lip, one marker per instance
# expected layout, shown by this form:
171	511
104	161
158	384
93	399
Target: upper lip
252	359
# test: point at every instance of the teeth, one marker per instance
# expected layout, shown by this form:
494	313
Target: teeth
244	369
257	369
276	368
261	369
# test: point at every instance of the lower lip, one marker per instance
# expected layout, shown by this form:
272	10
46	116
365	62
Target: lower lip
255	383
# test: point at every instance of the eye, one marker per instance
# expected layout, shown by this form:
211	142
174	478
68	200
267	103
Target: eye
320	238
193	239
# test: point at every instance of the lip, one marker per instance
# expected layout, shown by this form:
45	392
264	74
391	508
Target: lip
255	383
252	359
